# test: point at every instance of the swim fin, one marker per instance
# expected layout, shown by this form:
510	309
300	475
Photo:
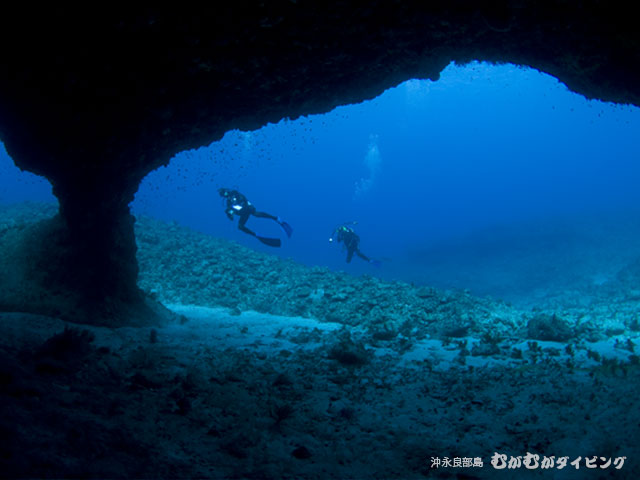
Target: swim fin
272	242
287	228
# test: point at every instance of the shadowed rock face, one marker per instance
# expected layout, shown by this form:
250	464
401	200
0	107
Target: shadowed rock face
95	100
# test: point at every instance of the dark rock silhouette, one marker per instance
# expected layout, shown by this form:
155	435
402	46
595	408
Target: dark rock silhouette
95	101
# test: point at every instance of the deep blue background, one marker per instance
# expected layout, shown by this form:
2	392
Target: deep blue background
421	168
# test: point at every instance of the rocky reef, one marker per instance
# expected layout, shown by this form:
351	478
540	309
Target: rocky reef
182	266
343	386
96	101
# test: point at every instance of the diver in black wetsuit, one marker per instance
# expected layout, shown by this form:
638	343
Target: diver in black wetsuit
237	204
351	242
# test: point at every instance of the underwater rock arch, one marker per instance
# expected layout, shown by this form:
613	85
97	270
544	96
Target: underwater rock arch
96	100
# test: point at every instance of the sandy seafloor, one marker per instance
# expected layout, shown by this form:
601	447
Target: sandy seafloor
276	370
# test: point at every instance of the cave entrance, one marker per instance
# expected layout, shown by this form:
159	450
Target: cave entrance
495	178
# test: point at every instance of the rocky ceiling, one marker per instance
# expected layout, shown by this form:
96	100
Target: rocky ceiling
95	99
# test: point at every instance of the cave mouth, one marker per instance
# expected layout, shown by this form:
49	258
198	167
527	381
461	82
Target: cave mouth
492	160
95	102
469	131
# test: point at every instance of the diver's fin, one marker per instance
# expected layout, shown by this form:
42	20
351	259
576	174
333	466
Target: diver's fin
272	242
287	228
375	263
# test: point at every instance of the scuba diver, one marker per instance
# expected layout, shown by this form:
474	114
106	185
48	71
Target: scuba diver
238	204
351	240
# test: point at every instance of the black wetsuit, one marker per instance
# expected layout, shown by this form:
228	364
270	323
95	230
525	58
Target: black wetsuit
238	204
351	241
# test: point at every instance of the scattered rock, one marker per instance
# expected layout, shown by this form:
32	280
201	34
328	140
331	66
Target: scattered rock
349	353
614	328
549	327
301	453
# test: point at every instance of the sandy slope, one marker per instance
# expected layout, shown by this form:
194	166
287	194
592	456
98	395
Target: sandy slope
262	396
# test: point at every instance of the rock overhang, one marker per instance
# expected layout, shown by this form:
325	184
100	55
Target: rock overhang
94	100
125	91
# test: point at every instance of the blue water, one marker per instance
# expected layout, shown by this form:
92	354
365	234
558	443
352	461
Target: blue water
421	168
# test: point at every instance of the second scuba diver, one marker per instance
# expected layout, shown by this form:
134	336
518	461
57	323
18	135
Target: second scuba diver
237	204
351	240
